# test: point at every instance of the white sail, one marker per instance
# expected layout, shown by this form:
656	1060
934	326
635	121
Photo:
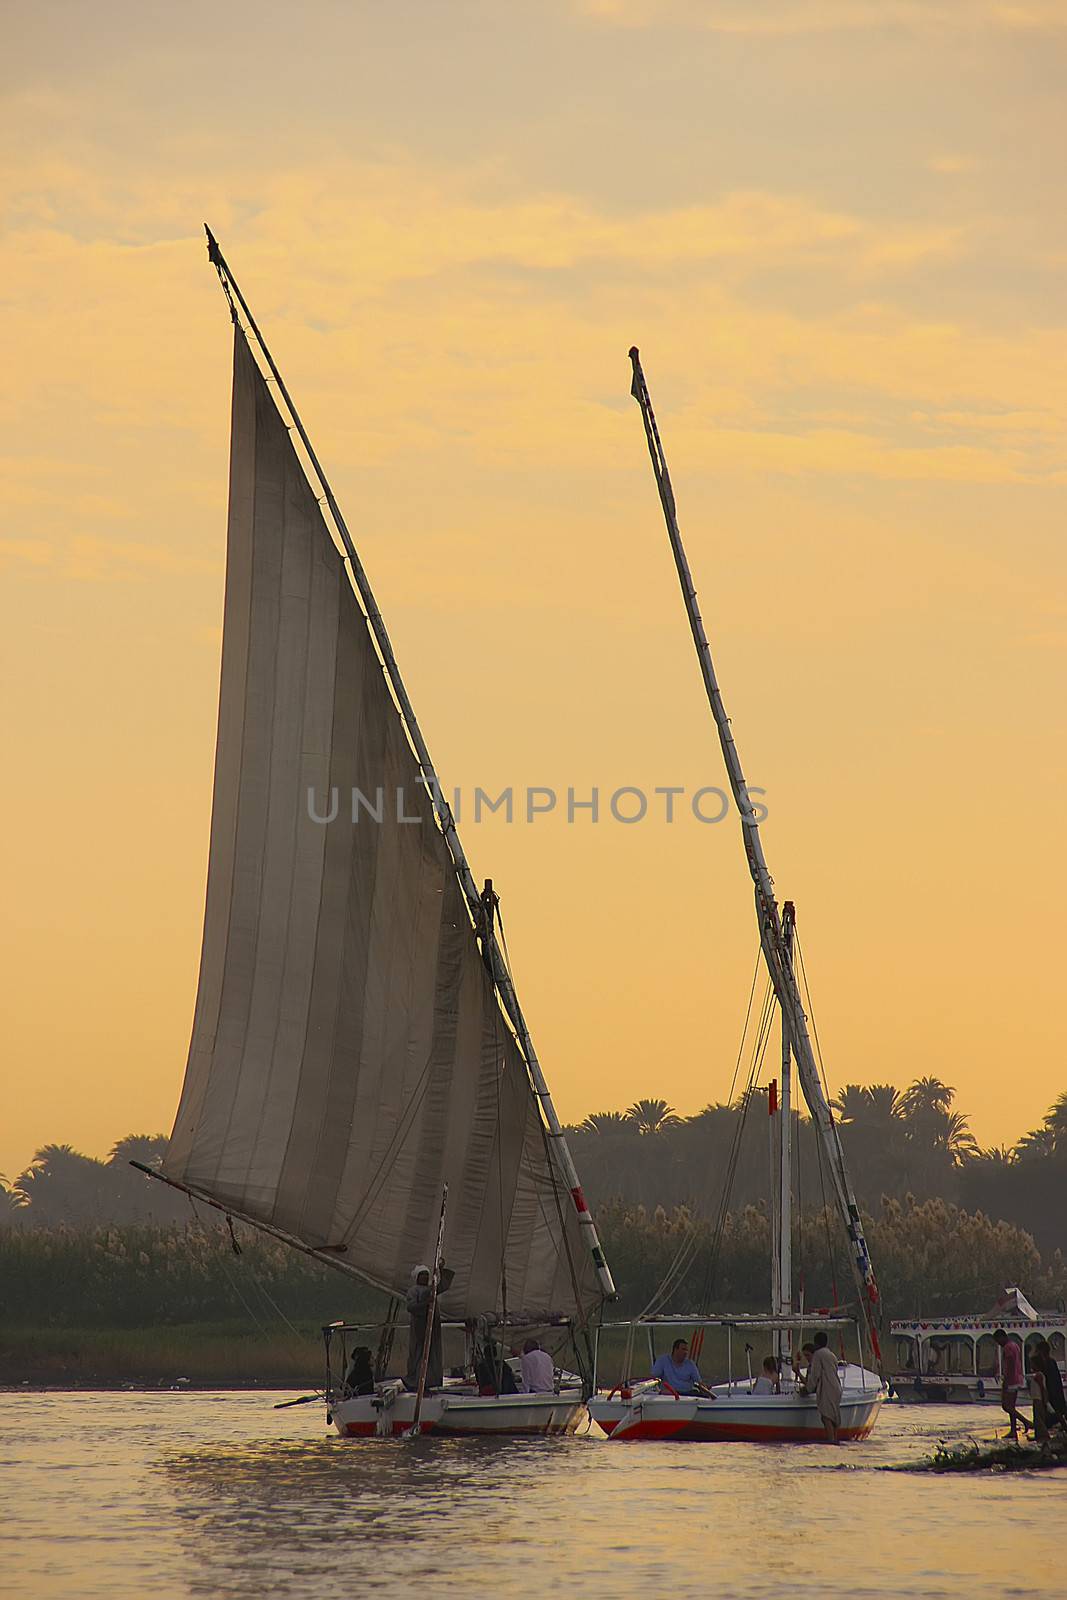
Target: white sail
349	1055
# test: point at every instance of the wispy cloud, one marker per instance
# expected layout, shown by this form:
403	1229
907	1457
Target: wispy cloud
790	17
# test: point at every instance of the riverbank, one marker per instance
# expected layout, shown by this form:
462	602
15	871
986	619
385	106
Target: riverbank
204	1355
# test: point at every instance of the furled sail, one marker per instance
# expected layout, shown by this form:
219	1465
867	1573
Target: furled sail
348	1055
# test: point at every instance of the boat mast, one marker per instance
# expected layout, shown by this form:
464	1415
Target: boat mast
770	925
431	1312
497	965
784	1308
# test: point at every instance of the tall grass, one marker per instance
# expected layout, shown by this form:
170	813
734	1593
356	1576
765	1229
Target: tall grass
224	1354
146	1276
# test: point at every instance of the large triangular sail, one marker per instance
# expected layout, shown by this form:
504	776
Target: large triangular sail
349	1053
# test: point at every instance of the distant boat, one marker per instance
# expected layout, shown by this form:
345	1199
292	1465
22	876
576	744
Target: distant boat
358	1048
955	1360
733	1411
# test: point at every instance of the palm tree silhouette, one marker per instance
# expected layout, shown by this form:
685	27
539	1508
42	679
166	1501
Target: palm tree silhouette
652	1116
605	1122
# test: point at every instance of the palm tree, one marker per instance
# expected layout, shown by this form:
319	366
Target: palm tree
1038	1144
62	1185
147	1148
605	1122
652	1116
852	1104
956	1139
1056	1119
885	1101
1051	1138
926	1094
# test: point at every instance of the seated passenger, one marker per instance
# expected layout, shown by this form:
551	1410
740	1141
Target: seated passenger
360	1376
493	1373
677	1372
767	1382
538	1372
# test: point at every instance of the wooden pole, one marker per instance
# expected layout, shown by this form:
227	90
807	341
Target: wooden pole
770	927
784	1308
431	1311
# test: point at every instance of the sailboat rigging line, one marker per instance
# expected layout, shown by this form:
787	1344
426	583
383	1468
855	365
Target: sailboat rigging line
683	1258
324	1253
260	1324
767	914
687	1249
501	978
763	1037
550	1161
831	1262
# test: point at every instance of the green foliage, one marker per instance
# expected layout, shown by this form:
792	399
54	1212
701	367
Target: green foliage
228	1354
932	1258
141	1276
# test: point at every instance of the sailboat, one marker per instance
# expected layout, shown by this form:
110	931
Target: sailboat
361	1081
734	1410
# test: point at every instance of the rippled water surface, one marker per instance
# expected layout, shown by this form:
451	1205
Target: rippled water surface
219	1495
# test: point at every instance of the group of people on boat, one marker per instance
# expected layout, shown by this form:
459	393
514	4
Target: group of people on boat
816	1374
495	1374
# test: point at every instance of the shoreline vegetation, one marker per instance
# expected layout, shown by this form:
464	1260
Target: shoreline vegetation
109	1277
991	1455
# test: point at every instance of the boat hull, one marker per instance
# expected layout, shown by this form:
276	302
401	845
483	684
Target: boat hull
392	1414
738	1416
955	1390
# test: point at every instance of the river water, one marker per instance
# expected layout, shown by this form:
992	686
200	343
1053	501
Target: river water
175	1495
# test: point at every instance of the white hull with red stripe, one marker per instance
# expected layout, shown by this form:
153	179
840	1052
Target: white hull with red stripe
453	1412
738	1415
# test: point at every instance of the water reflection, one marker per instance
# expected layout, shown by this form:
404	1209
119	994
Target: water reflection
216	1495
366	1511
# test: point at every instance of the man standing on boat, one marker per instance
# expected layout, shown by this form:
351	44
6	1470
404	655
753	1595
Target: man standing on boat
823	1382
418	1304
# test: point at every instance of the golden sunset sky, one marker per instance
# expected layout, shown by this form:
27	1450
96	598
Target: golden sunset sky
836	229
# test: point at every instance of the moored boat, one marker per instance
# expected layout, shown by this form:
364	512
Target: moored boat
956	1360
730	1411
735	1416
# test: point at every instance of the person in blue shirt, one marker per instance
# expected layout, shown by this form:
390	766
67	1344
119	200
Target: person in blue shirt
679	1372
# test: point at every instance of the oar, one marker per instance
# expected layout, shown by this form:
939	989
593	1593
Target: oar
305	1400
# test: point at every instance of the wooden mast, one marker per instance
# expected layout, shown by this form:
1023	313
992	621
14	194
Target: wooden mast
770	926
784	1308
431	1312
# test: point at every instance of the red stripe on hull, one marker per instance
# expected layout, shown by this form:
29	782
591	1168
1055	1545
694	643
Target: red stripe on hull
741	1432
644	1430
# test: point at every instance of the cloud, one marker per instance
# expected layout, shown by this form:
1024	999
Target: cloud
434	315
784	18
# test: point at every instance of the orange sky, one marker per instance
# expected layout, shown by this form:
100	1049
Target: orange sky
837	232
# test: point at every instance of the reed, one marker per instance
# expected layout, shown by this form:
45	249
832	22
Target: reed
222	1355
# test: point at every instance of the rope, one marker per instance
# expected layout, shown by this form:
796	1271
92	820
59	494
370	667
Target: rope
686	1251
759	1051
226	1272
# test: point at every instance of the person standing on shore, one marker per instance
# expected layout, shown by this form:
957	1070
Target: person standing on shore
1056	1405
1011	1380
